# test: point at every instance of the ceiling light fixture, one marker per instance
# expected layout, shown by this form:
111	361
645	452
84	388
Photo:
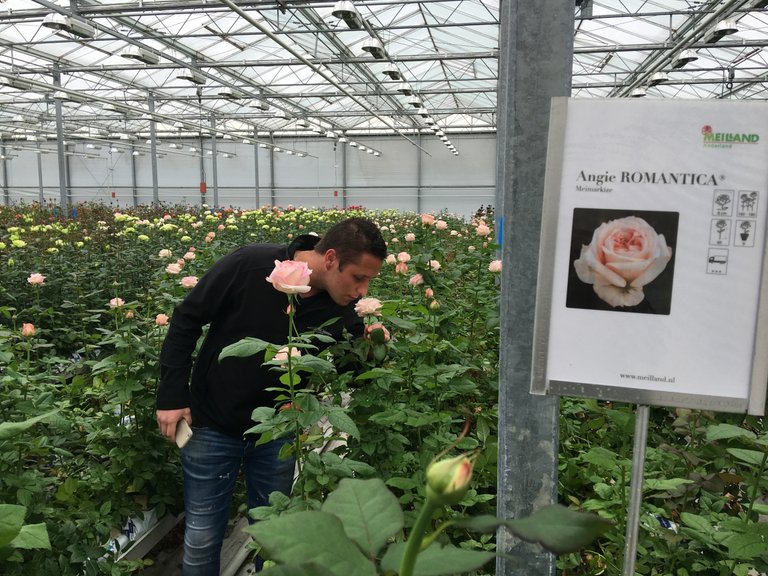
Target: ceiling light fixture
405	88
140	55
17	83
637	93
721	29
423	112
685	57
392	71
229	93
658	78
345	10
260	104
375	48
191	76
415	101
63	23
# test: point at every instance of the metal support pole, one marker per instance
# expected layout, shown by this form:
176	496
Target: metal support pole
134	187
214	163
344	177
203	191
271	171
636	488
153	149
256	169
63	193
6	191
40	193
535	59
419	174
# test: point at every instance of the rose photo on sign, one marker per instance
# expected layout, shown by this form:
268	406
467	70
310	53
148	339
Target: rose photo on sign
622	260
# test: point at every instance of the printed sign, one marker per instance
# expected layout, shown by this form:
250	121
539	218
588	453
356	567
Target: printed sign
651	276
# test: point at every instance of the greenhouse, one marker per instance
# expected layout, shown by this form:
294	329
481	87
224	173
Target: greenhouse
364	287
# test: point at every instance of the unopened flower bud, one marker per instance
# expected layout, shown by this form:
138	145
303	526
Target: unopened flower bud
434	305
448	480
27	330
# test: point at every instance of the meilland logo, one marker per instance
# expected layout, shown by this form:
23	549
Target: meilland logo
726	139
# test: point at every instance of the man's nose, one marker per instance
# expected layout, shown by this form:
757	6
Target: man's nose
363	290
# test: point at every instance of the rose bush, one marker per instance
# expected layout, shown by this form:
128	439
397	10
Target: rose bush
624	255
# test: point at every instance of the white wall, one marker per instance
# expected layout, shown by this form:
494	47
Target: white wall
457	184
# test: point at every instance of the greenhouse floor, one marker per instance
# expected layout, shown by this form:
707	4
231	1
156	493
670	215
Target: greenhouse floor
234	554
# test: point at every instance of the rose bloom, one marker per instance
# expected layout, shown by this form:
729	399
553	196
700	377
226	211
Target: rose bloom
173	268
181	262
623	256
290	277
427	219
391	258
129	315
282	354
429	293
435	265
410	237
482	230
368	307
494	266
161	320
164	253
116	302
403	257
401	268
27	330
189	256
416	279
441	225
36	279
188	281
470	248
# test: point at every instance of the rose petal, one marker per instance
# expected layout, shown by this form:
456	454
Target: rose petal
616	296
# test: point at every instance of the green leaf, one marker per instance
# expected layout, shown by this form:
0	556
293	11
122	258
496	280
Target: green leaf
665	483
369	512
752	457
600	457
437	560
746	546
297	570
400	323
245	347
11	521
314	364
311	536
727	431
697	523
559	529
341	421
11	429
32	537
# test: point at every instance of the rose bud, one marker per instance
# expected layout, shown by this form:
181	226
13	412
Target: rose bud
448	480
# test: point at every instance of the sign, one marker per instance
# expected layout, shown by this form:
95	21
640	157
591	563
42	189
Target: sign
653	287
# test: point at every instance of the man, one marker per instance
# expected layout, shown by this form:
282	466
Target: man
236	300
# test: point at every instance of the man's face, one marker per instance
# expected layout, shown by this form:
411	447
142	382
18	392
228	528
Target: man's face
351	282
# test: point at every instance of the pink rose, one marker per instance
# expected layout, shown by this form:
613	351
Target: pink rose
27	330
129	315
368	307
188	281
441	225
189	255
36	279
429	293
427	219
495	266
403	257
290	276
161	320
164	253
401	268
282	354
410	237
435	265
416	279
116	302
482	230
173	268
391	259
624	255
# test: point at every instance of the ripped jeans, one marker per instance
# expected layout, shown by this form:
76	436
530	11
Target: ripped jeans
211	462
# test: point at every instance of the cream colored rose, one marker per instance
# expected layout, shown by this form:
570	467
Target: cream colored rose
624	255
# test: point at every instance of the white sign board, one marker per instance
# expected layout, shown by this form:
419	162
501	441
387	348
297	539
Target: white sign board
652	276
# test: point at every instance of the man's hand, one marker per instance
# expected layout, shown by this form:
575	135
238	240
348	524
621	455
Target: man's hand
376	333
167	419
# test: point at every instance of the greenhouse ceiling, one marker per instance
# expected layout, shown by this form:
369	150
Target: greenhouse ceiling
117	70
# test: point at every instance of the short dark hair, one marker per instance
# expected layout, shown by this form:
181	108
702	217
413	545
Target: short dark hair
351	238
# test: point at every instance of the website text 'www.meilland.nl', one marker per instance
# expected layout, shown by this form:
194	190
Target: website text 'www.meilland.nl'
648	378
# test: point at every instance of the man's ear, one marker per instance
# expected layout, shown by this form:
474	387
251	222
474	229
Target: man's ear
330	258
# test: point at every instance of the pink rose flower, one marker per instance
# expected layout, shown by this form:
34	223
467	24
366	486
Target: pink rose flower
368	307
623	256
36	279
410	237
161	320
129	315
282	354
416	279
27	330
188	281
290	277
116	302
441	225
427	219
401	268
429	293
494	266
189	256
391	259
435	265
173	268
403	257
164	253
220	227
482	230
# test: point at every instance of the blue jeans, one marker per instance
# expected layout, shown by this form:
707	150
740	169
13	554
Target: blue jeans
211	462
